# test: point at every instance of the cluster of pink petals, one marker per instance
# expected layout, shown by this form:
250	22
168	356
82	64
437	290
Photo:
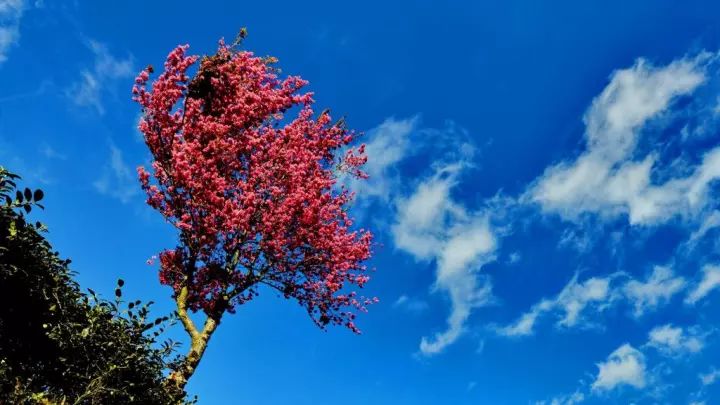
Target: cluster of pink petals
247	173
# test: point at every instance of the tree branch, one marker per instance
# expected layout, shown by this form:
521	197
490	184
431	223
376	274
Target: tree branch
188	324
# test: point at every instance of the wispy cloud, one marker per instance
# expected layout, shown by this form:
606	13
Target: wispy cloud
427	222
410	304
93	82
431	225
578	300
117	179
387	144
628	366
607	178
658	288
675	341
50	152
571	399
710	377
570	304
709	281
11	11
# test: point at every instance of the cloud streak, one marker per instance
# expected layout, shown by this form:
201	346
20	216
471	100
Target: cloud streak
11	12
117	179
88	90
432	226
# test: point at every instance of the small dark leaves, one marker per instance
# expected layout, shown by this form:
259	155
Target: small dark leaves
83	343
120	282
157	321
118	292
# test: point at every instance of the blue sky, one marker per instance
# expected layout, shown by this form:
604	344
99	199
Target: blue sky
542	187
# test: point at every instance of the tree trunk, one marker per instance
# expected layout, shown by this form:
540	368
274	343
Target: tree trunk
198	342
180	377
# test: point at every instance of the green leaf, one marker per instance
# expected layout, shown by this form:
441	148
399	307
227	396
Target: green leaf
38	195
28	194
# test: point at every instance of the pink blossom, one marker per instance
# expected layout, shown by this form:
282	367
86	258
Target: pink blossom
247	172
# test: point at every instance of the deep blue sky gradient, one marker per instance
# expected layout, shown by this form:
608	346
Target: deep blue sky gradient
516	76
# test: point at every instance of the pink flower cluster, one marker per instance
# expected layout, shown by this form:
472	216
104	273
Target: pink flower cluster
247	173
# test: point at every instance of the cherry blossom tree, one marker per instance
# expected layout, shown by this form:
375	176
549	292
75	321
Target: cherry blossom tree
248	174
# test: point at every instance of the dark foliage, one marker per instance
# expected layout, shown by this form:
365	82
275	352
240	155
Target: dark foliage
59	345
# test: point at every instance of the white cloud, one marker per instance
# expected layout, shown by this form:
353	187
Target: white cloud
675	341
514	257
576	296
710	281
422	217
570	304
624	366
607	179
658	288
597	294
430	225
88	90
710	377
117	180
386	145
525	325
470	245
50	152
410	304
572	399
709	223
11	12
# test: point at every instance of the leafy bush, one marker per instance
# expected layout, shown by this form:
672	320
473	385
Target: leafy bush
58	344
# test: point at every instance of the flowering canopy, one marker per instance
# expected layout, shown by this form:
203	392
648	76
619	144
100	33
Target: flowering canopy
248	175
